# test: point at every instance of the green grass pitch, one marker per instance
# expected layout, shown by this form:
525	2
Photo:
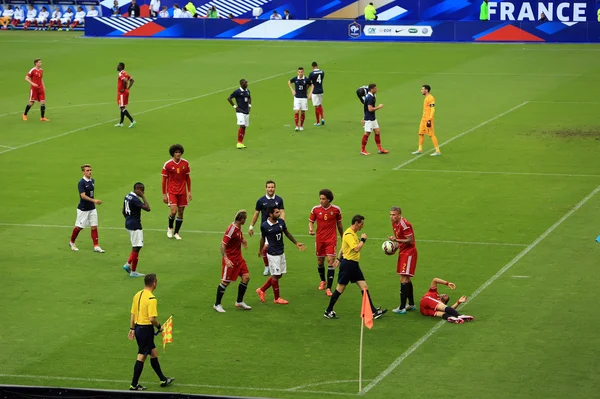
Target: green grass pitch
509	212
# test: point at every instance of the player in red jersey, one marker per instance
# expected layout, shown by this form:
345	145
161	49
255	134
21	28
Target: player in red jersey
407	258
124	83
435	305
233	264
175	179
37	91
328	217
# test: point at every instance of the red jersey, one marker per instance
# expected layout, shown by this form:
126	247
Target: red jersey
326	219
35	74
233	242
123	82
432	293
176	174
401	231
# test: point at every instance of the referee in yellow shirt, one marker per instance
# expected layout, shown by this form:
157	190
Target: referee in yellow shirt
144	315
350	272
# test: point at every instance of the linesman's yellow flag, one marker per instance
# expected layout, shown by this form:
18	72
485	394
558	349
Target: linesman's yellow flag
167	334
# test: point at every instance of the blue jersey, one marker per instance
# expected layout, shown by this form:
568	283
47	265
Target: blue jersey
274	235
316	78
242	99
369	100
132	209
300	86
265	202
87	187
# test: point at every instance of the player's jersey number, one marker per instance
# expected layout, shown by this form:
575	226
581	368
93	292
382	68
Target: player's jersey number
319	79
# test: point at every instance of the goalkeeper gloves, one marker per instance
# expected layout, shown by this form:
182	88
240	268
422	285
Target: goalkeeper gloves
428	123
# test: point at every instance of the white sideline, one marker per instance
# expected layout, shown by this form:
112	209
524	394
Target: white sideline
478	291
481	172
5	146
420	73
411	160
57	226
140	113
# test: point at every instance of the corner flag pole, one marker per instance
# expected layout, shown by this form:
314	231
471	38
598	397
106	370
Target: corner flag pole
362	330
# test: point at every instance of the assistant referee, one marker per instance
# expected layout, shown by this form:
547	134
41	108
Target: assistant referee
144	315
350	271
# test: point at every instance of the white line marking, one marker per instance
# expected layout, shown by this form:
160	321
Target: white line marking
462	73
558	49
460	135
164	100
56	226
481	172
126	382
520	276
5	146
478	291
140	113
564	102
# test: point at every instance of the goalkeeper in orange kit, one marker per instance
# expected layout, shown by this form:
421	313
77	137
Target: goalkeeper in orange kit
427	122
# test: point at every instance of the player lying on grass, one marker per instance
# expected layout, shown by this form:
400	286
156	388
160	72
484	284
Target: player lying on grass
436	305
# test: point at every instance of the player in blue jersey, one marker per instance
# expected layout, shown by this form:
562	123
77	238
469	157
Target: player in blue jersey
262	204
133	204
273	230
86	210
242	110
316	78
371	124
300	93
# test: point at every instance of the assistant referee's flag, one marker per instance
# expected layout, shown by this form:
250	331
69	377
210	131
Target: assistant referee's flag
167	334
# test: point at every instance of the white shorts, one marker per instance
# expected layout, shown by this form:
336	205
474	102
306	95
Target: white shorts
65	21
277	264
300	104
86	218
317	99
30	19
79	21
243	119
370	125
42	20
136	237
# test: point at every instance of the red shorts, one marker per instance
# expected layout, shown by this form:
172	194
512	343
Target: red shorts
37	94
123	98
324	249
407	263
232	273
427	306
177	199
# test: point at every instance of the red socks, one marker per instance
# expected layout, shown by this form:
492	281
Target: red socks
317	114
133	260
320	114
378	141
95	237
275	284
364	141
75	233
241	134
296	117
264	256
267	284
302	116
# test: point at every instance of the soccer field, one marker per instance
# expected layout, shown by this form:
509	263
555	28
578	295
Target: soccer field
509	213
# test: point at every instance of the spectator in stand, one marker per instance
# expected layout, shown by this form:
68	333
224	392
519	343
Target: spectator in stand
287	15
185	13
191	9
92	12
56	14
134	10
7	16
370	12
31	16
275	15
543	17
164	13
66	18
230	16
17	17
154	8
212	13
79	18
176	11
42	18
115	11
484	11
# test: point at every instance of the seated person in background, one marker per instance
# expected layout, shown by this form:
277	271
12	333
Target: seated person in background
17	17
92	12
164	13
212	13
176	11
114	10
55	18
31	16
134	9
287	15
154	8
185	13
275	15
543	17
66	18
42	18
230	16
7	16
79	18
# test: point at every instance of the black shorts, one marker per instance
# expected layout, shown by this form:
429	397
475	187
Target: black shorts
144	335
350	272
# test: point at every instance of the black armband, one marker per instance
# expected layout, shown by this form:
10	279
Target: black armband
363	239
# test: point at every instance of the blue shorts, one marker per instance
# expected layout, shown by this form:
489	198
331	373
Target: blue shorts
350	272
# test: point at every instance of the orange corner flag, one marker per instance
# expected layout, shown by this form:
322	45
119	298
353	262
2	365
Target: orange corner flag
366	312
167	334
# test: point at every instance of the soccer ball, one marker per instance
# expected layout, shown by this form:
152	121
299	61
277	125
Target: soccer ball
389	247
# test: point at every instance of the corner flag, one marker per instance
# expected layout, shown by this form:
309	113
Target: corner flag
366	312
167	334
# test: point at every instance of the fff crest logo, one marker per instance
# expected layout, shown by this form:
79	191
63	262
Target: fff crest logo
354	30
